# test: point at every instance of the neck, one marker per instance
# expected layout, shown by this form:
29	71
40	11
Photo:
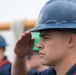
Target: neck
63	67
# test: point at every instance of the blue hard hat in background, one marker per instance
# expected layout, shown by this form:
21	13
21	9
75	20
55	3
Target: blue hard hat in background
57	14
2	41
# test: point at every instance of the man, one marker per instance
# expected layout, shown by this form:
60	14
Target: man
57	47
5	65
33	59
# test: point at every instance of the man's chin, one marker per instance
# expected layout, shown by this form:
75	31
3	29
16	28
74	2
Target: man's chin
44	63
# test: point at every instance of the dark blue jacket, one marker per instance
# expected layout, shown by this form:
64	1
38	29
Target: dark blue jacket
5	67
72	71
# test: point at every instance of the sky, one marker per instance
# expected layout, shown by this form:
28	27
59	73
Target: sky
11	10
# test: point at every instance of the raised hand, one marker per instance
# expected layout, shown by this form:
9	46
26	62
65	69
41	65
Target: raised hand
24	45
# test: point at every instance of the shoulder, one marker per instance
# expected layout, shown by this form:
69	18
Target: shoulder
5	63
72	70
45	72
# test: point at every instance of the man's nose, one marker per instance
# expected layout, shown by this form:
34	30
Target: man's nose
39	45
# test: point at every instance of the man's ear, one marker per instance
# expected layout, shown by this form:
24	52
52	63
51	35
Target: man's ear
72	39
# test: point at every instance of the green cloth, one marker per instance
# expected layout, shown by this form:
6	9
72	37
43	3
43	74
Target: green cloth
35	35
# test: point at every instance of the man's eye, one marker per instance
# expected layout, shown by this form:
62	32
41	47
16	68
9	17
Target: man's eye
45	37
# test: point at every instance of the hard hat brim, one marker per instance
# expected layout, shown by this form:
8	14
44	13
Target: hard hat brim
68	27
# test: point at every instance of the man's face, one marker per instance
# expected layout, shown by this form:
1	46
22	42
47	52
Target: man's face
53	47
1	51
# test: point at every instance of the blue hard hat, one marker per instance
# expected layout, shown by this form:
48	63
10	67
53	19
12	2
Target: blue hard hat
62	0
57	14
2	41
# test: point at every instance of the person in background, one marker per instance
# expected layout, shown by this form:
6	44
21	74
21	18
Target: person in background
57	45
5	64
33	59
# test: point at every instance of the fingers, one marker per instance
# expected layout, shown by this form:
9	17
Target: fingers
26	37
32	42
24	44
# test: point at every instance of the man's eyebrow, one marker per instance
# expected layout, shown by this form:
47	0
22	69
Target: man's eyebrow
42	35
